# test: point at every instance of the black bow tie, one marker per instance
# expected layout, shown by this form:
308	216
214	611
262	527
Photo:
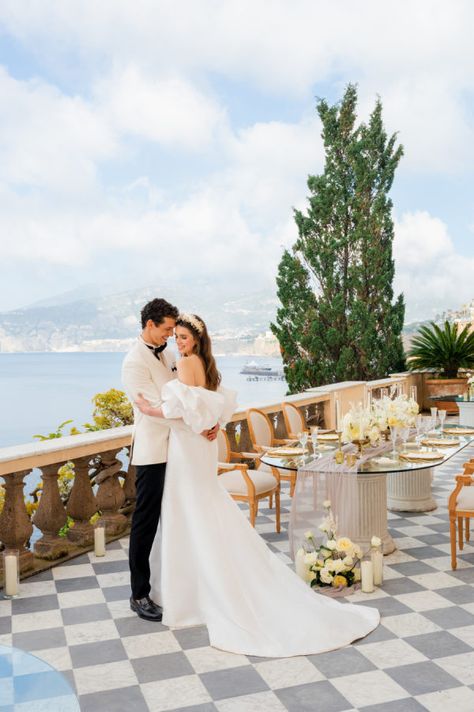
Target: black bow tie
157	349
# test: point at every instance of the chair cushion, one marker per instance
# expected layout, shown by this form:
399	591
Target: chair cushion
234	482
465	499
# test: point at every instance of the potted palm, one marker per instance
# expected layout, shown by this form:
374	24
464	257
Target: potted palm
444	350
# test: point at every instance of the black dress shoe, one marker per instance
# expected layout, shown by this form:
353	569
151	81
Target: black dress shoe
146	608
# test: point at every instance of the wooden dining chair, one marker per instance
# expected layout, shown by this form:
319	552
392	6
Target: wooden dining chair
262	437
245	484
294	420
461	509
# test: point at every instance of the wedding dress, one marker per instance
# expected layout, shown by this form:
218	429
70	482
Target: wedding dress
210	567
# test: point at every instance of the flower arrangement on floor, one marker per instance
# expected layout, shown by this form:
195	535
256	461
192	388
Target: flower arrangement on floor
331	564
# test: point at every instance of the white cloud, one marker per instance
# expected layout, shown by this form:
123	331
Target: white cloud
168	111
49	140
429	271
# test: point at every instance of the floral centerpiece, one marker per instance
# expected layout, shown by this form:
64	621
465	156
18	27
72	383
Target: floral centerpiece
361	424
334	563
400	411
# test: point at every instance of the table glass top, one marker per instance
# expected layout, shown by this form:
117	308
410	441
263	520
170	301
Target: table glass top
385	462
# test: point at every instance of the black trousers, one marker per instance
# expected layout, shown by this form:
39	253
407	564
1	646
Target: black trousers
150	484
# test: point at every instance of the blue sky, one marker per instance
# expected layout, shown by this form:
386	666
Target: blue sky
148	142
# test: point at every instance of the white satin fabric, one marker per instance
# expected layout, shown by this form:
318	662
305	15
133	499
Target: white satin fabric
210	567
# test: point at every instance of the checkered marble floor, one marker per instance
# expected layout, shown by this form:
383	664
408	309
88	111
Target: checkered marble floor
76	617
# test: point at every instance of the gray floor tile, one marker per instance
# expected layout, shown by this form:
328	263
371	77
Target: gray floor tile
161	667
425	552
233	682
452	617
406	705
196	637
314	697
387	606
34	604
82	559
420	678
76	584
206	707
439	644
137	626
413	568
85	614
377	636
117	593
39	639
458	594
111	567
5	625
464	575
127	699
106	651
338	662
432	539
401	585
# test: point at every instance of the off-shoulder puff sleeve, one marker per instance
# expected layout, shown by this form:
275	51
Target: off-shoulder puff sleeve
199	408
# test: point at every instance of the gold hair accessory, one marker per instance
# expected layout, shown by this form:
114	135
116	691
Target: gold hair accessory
192	321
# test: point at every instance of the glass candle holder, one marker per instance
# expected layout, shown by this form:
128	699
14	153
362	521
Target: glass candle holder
367	576
99	538
376	557
11	573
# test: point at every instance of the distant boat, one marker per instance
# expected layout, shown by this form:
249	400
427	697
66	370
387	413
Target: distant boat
252	368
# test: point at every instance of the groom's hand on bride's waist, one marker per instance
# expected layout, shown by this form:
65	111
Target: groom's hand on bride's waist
212	433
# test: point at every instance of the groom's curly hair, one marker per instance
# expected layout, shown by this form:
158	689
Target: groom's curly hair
157	310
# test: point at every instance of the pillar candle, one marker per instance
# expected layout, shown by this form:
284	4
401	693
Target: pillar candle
377	564
11	574
367	576
300	567
99	541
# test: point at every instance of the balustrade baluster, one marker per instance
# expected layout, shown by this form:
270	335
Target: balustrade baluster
82	504
110	495
50	517
15	525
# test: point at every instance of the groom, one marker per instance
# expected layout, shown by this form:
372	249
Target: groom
145	370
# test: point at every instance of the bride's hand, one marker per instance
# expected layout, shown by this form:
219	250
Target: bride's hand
145	407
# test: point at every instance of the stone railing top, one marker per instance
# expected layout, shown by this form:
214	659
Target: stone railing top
331	387
47	452
309	396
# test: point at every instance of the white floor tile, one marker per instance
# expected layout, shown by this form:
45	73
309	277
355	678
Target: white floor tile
288	672
369	688
207	659
177	692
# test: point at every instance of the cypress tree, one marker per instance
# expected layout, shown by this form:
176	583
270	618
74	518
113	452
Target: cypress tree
338	320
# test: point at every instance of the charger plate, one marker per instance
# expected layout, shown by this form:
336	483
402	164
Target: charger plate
440	442
428	456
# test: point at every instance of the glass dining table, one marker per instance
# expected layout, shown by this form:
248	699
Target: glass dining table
400	483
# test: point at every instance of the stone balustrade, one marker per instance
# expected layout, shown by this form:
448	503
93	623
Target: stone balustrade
102	483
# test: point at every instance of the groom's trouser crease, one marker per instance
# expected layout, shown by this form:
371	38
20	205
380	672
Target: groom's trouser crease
150	483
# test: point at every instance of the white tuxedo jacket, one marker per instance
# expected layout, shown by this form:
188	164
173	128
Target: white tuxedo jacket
143	373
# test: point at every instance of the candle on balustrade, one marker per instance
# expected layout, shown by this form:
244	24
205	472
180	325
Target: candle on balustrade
99	539
377	565
367	576
11	573
300	567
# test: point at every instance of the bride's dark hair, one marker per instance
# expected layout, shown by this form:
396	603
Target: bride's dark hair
202	347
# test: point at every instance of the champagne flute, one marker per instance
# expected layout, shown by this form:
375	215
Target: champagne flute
303	439
419	428
442	418
434	412
404	433
314	438
393	437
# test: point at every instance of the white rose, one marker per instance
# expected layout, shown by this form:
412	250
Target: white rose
330	565
348	561
325	576
309	535
330	544
327	503
310	559
375	541
357	551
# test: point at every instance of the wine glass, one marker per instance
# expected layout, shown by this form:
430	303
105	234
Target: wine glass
303	439
394	436
442	418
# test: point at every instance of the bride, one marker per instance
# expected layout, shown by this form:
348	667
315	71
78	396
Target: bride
208	565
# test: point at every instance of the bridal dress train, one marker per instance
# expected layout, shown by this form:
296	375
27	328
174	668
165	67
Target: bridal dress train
210	567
